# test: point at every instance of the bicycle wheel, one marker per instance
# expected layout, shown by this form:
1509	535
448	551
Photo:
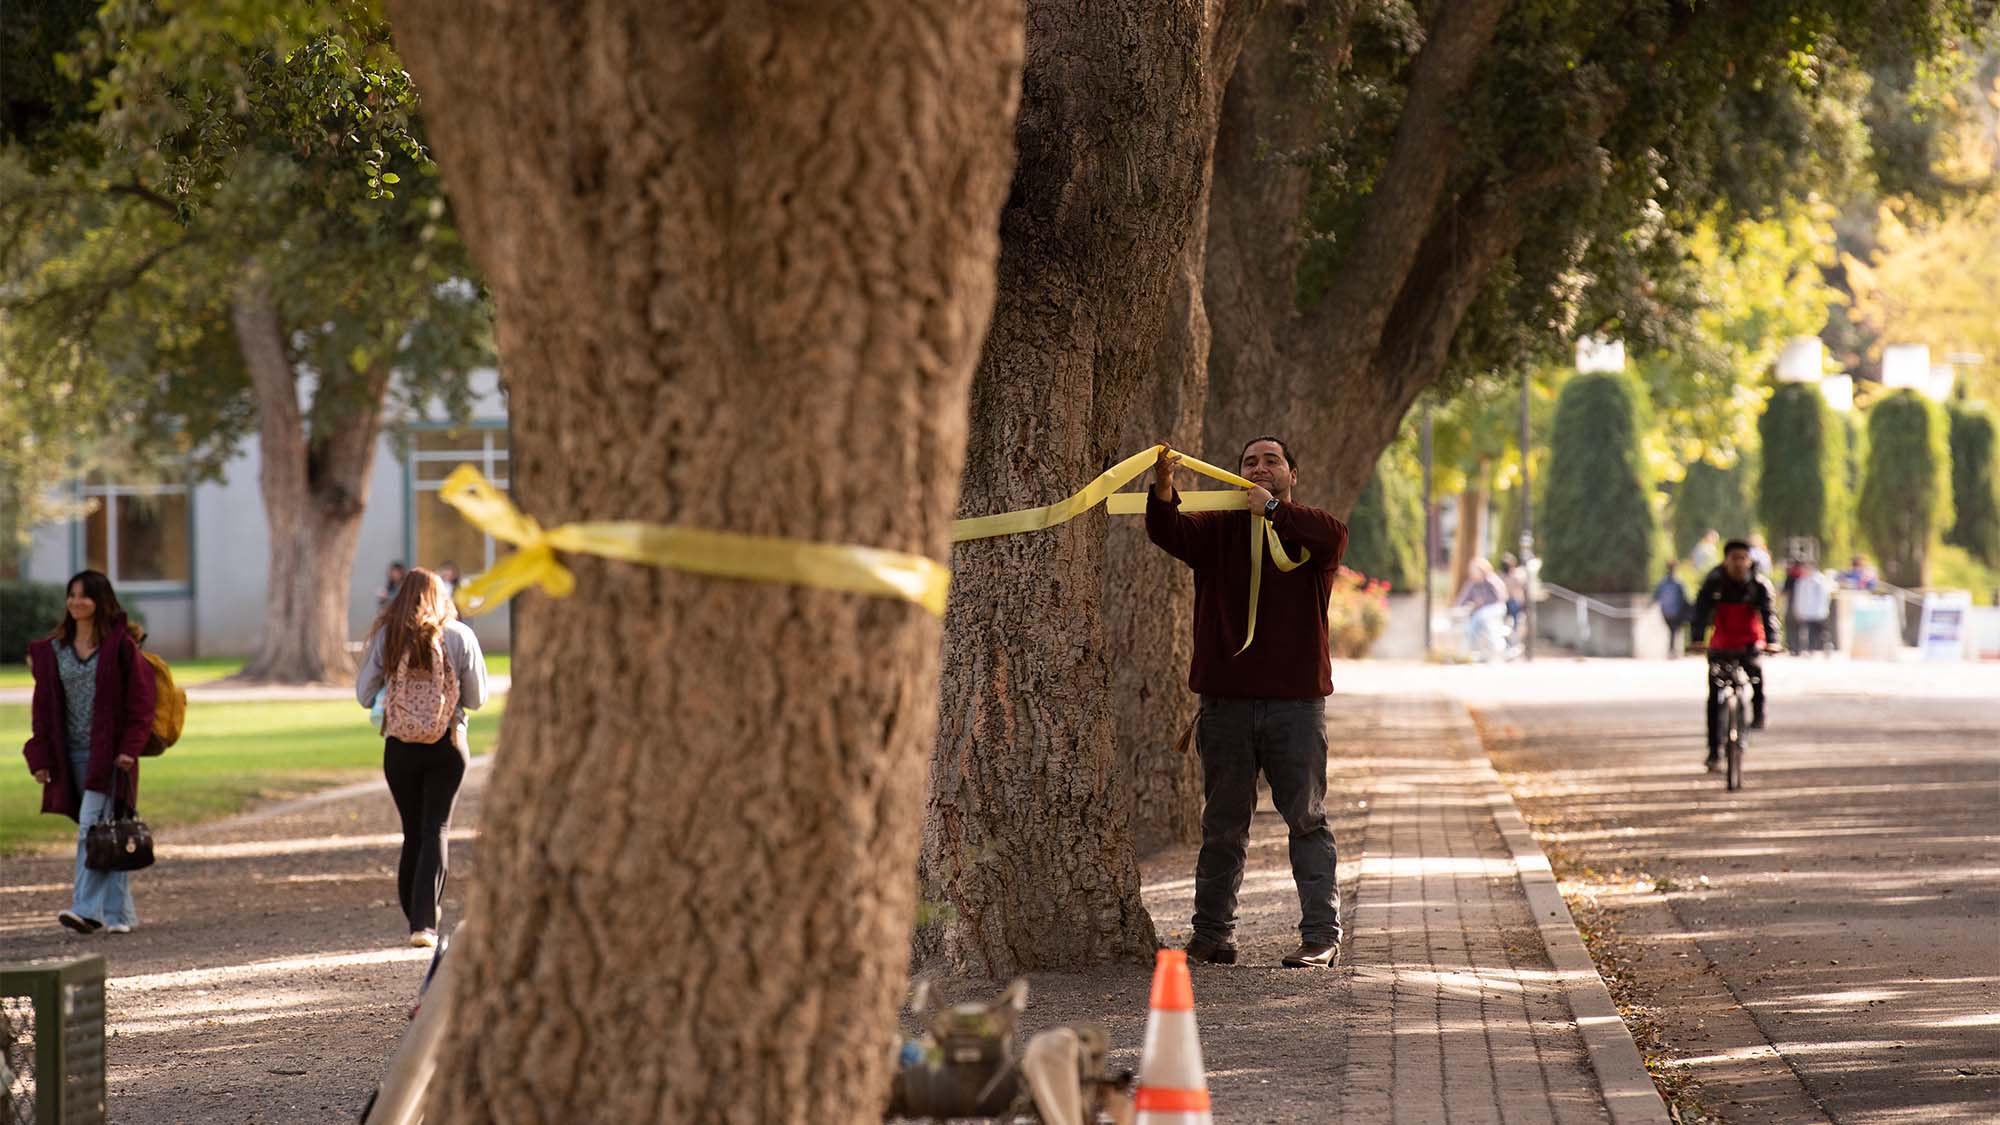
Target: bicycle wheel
1737	732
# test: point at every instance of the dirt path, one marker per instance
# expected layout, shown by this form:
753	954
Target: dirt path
1823	944
269	976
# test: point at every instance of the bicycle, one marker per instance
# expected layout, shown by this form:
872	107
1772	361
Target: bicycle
1732	687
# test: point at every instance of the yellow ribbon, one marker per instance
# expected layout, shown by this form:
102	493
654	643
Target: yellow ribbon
829	566
1105	490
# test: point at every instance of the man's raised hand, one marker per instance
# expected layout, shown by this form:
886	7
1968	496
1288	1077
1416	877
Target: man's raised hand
1163	472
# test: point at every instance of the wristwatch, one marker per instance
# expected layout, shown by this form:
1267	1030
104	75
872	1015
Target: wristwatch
1270	507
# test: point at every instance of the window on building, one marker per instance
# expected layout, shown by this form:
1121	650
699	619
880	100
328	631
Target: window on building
438	533
140	535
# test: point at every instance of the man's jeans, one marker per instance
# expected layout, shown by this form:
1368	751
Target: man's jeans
105	896
1286	739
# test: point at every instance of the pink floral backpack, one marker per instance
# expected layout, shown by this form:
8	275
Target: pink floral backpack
418	707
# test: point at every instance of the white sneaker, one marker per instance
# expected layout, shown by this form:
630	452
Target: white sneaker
423	939
117	928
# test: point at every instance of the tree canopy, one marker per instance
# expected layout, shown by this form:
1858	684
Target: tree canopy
166	158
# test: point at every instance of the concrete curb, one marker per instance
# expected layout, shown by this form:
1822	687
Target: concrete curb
1628	1089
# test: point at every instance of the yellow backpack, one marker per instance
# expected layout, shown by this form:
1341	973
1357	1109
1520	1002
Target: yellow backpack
169	707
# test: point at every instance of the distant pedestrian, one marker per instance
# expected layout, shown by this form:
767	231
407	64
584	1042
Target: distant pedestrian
1514	577
1672	598
1485	596
90	716
447	572
390	585
1707	553
1262	708
1812	605
1760	553
1859	575
434	674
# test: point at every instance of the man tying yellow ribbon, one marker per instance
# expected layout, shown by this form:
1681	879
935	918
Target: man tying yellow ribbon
1262	707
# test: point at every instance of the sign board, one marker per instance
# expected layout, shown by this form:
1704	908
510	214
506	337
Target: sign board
1876	628
1982	627
1941	632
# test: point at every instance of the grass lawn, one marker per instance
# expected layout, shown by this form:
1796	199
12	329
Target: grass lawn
190	672
229	755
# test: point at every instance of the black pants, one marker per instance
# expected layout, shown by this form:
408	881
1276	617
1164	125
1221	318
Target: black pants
1755	672
1286	739
424	779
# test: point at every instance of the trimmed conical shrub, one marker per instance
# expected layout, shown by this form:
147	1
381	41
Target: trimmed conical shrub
1975	484
1709	497
1802	490
1598	530
1906	493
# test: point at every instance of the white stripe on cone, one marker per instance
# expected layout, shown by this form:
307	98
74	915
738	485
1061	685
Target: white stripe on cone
1171	1060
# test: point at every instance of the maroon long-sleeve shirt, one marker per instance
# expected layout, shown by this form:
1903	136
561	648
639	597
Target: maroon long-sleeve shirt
1288	659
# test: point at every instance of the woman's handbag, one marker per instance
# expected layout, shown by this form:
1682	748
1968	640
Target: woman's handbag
123	843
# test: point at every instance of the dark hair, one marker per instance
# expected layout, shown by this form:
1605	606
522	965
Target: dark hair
1289	462
98	589
1735	545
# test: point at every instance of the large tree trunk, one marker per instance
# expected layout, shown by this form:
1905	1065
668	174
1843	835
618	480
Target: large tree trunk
1026	848
315	488
743	259
1149	594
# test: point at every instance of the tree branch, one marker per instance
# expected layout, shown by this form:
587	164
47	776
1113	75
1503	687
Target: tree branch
1349	317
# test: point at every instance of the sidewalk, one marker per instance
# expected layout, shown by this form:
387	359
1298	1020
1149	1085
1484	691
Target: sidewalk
1464	995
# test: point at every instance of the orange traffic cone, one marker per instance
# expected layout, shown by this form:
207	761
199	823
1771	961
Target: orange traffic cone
1173	1085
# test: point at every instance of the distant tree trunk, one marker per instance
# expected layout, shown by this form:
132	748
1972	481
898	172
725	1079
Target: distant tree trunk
1471	527
1026	850
743	258
315	487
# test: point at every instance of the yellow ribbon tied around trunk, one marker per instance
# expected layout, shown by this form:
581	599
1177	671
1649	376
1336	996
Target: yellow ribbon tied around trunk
826	566
724	554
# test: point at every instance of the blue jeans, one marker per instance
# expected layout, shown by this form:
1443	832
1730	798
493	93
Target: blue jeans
105	896
1285	739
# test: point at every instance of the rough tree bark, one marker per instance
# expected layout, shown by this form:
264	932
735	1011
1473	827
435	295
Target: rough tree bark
743	258
1026	850
1149	595
315	486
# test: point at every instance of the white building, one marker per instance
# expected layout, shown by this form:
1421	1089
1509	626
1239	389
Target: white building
193	560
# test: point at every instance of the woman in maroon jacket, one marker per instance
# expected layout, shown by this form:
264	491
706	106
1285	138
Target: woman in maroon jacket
92	711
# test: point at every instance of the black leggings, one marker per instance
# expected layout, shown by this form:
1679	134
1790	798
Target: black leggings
424	779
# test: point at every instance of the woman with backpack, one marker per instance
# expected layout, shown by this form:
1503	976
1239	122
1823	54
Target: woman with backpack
434	675
91	715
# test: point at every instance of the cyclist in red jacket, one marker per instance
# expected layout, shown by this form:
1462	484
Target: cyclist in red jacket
1737	601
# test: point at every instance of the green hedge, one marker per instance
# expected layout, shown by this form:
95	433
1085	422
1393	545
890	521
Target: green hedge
1709	497
1803	488
1906	494
28	610
1385	531
1597	528
1975	484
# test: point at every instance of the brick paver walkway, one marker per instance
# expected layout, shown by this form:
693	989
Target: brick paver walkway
1457	1014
